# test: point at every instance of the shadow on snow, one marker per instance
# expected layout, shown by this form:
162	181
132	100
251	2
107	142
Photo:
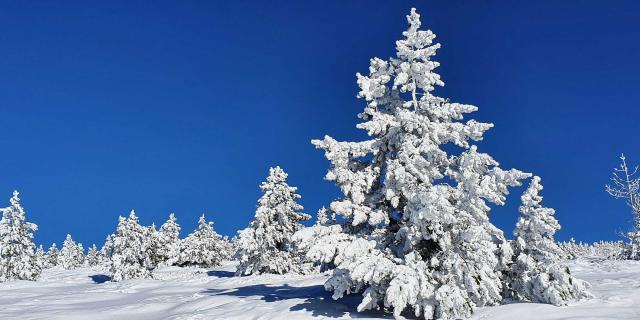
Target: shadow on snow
100	278
317	300
220	274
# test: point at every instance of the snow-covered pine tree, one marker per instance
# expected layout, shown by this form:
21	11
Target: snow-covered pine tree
203	247
93	257
167	242
17	251
266	245
413	232
321	217
52	256
107	248
41	258
153	247
71	255
537	273
234	247
129	252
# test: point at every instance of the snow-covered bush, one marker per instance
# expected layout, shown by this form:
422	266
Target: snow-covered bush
265	246
129	250
71	255
167	242
536	273
601	250
203	247
17	251
413	232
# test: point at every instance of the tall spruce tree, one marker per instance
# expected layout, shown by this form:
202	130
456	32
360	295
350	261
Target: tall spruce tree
130	250
204	247
537	273
18	259
414	233
266	246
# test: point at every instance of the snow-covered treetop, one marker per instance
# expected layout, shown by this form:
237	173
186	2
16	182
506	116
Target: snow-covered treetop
409	127
16	215
278	206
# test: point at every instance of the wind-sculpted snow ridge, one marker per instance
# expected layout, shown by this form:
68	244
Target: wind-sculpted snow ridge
195	293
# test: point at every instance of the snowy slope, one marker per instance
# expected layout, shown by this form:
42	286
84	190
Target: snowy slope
198	294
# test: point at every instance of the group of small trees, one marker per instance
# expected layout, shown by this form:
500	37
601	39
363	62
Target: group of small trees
601	250
134	251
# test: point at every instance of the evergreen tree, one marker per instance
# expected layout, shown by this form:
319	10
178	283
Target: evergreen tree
41	258
414	232
71	255
321	217
129	254
107	248
52	256
265	246
537	274
203	247
93	257
168	242
17	251
153	244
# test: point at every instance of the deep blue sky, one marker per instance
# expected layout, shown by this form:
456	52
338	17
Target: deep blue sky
183	106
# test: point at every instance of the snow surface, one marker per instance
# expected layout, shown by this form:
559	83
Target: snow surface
191	293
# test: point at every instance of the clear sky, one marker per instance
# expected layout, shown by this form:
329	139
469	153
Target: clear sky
182	106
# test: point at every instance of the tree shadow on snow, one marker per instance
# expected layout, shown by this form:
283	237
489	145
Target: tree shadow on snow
220	274
100	278
317	300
